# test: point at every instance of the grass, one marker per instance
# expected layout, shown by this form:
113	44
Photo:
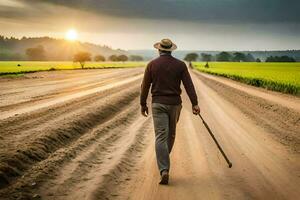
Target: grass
282	77
15	75
16	67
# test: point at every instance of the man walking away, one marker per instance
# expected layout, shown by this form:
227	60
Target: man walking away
165	73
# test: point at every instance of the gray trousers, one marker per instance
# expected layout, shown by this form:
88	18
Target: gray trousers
165	118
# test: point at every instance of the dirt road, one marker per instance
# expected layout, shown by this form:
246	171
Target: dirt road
79	135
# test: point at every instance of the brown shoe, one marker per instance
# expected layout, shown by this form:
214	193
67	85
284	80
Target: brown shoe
164	178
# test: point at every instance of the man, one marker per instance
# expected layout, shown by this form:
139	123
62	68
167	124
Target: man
165	73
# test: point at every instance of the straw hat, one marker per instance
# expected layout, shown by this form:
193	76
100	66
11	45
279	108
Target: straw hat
165	45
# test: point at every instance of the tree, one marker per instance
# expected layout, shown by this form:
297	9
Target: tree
206	57
270	59
36	53
239	57
280	59
99	58
136	58
223	56
82	57
286	59
113	58
250	58
122	58
191	57
2	40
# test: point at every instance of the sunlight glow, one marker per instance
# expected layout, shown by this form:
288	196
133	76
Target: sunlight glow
71	35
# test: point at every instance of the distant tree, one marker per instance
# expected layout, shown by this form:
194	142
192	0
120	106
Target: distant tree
206	57
2	40
191	57
239	57
36	53
270	59
223	57
286	59
250	58
136	58
82	57
99	58
280	59
113	58
122	58
257	60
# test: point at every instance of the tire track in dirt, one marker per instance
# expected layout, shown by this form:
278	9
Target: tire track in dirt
42	83
92	162
33	120
102	165
65	90
53	137
51	166
67	98
104	139
121	173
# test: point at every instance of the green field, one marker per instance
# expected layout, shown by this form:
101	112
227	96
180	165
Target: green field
282	77
11	67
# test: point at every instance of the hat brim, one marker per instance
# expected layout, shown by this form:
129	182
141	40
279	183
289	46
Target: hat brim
158	46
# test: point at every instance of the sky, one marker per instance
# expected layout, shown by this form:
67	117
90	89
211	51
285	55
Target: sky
138	24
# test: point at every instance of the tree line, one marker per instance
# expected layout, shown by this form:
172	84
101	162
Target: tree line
50	49
83	57
39	54
234	57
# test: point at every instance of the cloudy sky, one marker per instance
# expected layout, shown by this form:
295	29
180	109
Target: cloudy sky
137	24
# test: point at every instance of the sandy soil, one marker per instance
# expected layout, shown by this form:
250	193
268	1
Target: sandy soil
79	135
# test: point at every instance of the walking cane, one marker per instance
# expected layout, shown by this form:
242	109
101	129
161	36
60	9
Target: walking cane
215	140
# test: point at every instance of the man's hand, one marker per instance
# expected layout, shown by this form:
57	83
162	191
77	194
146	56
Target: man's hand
196	110
144	111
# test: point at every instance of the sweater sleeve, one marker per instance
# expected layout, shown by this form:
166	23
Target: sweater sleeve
145	86
189	86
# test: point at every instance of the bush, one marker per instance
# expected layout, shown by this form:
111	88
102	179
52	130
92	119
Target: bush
99	58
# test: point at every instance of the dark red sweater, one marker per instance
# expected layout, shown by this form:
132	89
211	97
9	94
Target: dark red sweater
165	73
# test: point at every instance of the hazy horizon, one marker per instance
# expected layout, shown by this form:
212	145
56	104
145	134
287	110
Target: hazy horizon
136	24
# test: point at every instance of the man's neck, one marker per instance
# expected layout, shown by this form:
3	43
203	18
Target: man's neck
164	53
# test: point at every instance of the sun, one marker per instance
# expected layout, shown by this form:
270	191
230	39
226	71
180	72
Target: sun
71	35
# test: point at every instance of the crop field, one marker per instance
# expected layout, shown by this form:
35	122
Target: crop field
15	67
282	77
